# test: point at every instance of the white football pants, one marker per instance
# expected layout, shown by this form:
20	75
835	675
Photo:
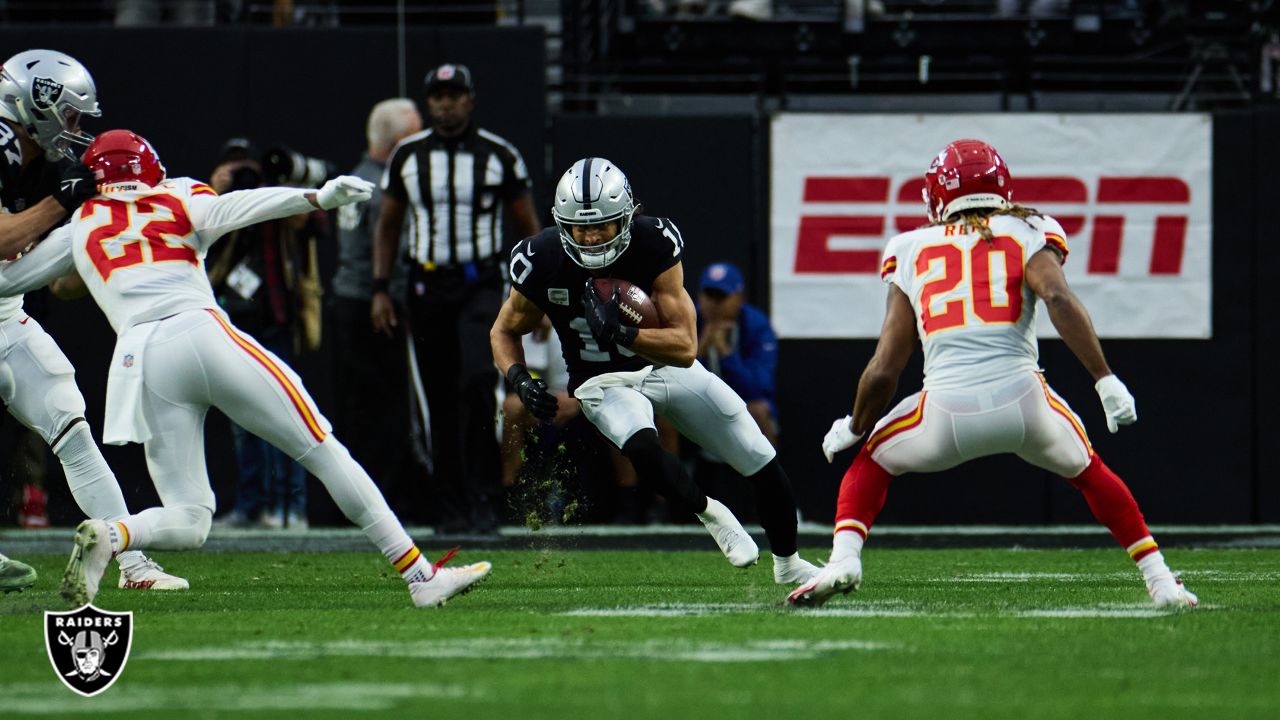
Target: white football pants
196	360
697	402
38	386
935	430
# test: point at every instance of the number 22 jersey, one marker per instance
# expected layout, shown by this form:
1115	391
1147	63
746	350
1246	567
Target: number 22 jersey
140	249
975	315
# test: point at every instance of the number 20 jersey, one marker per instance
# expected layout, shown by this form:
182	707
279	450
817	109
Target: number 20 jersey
975	315
543	273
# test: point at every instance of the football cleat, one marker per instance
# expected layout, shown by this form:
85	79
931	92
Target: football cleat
448	582
143	573
793	570
15	576
88	562
1168	592
841	577
734	542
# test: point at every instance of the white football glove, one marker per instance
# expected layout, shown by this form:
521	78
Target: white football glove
1116	402
343	190
839	437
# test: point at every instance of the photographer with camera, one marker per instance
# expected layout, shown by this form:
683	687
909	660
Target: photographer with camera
266	278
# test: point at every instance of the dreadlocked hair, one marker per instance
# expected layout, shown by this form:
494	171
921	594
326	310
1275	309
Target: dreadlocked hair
979	219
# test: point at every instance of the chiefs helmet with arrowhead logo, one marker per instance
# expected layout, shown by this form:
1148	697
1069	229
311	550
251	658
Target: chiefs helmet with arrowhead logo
123	156
966	175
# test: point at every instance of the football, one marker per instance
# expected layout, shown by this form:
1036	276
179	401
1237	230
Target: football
635	306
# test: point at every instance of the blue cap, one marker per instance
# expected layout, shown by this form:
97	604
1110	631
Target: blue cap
722	276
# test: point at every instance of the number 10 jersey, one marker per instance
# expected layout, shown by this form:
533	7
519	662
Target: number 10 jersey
544	273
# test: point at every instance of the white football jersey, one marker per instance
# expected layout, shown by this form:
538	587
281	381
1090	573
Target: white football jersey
975	316
141	249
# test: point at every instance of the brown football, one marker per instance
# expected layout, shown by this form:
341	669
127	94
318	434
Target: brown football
635	307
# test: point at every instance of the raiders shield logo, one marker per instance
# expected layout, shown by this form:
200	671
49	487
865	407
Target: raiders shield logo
45	92
88	647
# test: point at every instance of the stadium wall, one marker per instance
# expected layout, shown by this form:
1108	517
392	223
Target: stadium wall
1198	453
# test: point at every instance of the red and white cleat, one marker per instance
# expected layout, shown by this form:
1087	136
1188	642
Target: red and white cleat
448	582
842	577
1168	592
139	572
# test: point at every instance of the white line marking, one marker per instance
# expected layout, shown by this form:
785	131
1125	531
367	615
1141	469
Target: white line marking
46	699
524	649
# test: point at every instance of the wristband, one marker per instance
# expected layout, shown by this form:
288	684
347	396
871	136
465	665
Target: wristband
626	335
516	372
381	285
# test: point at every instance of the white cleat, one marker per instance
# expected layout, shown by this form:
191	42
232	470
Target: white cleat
143	573
793	570
15	576
1168	592
734	542
841	577
88	562
448	582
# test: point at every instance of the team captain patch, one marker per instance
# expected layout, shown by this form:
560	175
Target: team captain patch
559	296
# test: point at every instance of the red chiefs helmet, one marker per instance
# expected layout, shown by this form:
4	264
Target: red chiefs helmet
966	175
123	156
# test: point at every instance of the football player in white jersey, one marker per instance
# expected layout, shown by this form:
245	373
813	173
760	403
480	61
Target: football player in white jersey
43	95
967	285
139	247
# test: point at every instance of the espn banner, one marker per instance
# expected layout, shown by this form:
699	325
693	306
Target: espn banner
1132	192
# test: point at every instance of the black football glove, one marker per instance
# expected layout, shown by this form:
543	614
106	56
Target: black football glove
533	392
602	318
75	185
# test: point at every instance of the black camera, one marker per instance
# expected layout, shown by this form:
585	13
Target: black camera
283	166
280	165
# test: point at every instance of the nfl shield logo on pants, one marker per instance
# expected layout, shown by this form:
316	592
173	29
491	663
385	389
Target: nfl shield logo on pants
88	647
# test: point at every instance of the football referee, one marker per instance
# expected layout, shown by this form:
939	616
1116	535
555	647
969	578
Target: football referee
452	182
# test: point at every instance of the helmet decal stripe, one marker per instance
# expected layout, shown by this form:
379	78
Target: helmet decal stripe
586	183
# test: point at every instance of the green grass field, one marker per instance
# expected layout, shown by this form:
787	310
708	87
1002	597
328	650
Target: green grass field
576	634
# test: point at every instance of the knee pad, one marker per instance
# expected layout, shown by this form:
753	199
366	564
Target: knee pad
64	405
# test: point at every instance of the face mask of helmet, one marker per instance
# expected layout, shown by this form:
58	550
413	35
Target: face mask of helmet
47	93
591	193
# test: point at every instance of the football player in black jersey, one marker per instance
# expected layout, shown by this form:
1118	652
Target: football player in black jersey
621	375
43	95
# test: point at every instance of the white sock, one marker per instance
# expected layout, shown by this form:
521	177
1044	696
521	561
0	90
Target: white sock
360	500
1154	568
715	510
92	483
846	544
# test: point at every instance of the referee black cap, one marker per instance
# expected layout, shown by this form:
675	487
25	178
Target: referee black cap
450	74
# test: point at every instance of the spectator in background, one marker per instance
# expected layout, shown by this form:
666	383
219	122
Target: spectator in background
736	342
453	180
153	12
374	398
265	277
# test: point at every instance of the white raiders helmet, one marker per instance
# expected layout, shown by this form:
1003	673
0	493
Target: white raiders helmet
46	92
594	191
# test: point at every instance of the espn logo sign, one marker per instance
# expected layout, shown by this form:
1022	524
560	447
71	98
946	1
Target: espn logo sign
1115	200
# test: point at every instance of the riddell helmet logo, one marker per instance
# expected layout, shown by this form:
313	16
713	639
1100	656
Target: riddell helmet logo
88	647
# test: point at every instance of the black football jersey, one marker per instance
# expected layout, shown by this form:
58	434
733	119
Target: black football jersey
544	273
20	189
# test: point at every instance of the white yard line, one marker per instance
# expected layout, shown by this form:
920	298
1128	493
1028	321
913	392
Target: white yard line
522	649
52	699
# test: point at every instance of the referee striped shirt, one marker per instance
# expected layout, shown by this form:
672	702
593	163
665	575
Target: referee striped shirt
454	190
